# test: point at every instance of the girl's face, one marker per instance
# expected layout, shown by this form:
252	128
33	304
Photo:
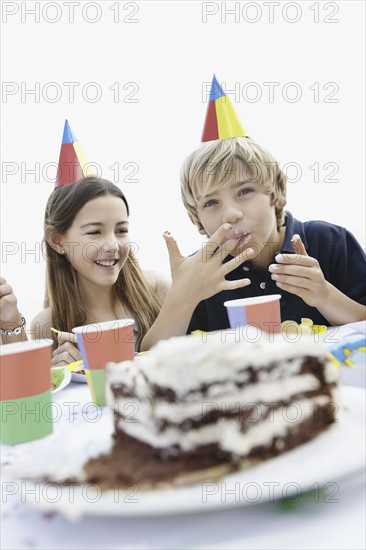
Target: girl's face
97	243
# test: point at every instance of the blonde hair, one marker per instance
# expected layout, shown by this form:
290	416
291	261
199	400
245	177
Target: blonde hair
206	169
62	288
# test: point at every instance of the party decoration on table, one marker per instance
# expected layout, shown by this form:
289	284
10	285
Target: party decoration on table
305	327
221	120
25	391
350	352
71	164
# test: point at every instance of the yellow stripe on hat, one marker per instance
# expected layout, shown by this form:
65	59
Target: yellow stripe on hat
82	160
228	123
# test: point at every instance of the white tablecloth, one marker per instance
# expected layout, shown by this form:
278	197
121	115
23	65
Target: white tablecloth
328	525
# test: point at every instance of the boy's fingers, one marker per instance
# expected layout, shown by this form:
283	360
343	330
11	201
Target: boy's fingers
219	237
298	245
240	283
244	256
222	240
305	261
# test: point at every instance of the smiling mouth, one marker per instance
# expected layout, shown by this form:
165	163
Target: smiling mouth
106	263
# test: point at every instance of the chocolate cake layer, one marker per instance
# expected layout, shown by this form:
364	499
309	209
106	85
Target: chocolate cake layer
132	461
190	409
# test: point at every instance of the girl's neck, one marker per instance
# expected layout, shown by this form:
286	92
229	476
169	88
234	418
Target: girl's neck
101	304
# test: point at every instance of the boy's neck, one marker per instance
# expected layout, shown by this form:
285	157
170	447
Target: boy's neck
267	254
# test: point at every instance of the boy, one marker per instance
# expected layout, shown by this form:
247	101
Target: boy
235	192
324	280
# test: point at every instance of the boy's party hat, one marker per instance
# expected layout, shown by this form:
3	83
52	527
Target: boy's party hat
71	164
221	120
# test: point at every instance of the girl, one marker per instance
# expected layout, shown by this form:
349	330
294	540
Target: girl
92	275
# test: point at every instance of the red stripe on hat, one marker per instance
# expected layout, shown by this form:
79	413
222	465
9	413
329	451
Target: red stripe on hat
210	129
69	169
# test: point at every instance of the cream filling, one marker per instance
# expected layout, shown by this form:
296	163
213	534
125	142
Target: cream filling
226	432
230	399
282	421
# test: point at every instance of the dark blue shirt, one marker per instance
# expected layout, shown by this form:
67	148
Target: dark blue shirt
340	257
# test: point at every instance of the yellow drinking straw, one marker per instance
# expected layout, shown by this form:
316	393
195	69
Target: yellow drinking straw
72	367
75	366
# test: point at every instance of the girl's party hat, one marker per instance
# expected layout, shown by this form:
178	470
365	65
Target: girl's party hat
221	120
71	164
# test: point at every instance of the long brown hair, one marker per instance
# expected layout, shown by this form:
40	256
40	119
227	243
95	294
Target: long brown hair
62	287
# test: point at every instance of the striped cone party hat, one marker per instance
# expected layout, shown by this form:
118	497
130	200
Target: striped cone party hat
71	164
221	120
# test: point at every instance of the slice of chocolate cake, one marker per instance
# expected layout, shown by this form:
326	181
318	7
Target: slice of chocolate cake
195	408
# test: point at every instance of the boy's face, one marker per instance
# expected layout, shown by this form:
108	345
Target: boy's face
242	203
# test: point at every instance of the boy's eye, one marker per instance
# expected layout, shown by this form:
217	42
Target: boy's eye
93	232
245	191
122	231
209	203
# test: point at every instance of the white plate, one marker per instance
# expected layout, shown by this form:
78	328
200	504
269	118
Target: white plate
316	465
75	377
66	380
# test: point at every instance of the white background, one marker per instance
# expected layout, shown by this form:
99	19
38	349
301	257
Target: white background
162	55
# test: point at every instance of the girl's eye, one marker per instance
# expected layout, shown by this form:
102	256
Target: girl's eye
93	232
122	231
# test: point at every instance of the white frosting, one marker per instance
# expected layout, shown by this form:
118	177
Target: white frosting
262	433
186	362
186	365
226	432
234	400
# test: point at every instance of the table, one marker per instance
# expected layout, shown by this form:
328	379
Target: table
335	525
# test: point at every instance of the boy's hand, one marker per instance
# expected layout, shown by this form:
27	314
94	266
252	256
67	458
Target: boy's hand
300	274
67	352
202	275
298	245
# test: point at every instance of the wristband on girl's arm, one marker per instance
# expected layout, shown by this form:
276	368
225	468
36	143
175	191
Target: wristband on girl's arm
15	331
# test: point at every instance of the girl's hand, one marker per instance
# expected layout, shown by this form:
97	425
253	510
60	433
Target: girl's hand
67	351
8	305
300	274
202	275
